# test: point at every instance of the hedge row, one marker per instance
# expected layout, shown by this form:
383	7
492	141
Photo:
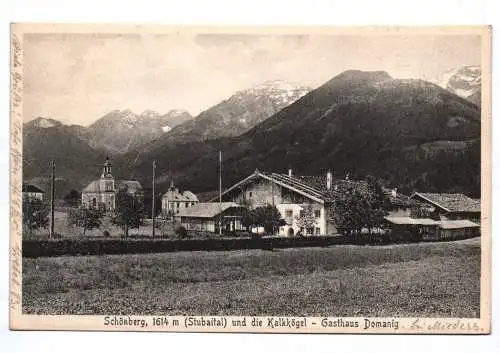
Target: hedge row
59	247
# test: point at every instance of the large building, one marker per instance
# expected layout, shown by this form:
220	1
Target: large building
101	193
295	195
173	201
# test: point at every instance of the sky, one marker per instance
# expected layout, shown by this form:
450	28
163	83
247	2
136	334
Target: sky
77	78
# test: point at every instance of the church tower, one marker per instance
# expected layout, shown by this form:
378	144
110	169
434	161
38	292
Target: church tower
107	186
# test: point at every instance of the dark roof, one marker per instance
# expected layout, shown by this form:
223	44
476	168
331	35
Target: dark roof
451	202
315	186
32	188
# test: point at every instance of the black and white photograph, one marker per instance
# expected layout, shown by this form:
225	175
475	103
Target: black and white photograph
198	179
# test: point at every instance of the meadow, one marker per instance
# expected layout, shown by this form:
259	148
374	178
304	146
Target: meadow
423	279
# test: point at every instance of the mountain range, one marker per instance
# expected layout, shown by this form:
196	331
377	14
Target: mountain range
413	134
120	131
465	82
359	123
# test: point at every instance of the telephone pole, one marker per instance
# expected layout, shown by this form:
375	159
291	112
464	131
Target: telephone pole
153	203
52	197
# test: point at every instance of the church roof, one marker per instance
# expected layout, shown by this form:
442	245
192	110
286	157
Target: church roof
95	186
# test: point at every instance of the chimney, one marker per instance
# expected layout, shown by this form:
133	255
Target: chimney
290	172
394	192
328	180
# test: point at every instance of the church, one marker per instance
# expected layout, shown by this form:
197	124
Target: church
101	193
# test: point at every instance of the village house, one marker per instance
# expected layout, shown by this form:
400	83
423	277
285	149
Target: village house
101	193
173	201
294	195
206	216
32	191
450	206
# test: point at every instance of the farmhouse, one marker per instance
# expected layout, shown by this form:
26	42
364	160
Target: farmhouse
205	216
32	191
173	201
101	193
293	196
450	206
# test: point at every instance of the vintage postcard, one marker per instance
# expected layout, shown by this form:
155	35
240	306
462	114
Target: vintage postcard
262	179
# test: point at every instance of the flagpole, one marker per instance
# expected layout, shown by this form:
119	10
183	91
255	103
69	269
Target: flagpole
220	192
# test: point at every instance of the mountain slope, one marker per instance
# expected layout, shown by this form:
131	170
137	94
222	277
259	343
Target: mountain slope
237	114
47	139
122	130
465	82
358	122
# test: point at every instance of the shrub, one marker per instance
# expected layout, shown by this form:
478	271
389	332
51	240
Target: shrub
181	232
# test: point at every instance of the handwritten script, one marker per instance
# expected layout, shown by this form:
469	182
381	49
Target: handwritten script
15	166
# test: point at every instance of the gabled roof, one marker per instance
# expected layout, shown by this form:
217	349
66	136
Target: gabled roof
176	195
32	188
315	188
207	209
451	202
284	181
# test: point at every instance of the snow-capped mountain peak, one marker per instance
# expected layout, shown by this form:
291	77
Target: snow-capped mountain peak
464	81
44	123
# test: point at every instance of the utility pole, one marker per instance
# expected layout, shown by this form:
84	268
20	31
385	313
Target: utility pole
52	197
153	202
220	192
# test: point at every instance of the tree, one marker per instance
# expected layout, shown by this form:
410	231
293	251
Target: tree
87	218
129	211
266	216
306	220
35	214
357	207
72	198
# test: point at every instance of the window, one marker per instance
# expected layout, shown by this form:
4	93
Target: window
317	213
178	204
302	213
192	203
187	204
318	231
288	213
249	194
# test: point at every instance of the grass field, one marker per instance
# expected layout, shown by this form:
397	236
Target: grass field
425	279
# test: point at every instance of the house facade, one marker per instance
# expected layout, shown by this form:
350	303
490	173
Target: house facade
291	196
32	191
173	201
101	193
297	196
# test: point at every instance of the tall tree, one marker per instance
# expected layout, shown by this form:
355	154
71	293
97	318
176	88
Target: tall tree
268	217
306	220
358	207
129	211
87	218
35	214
